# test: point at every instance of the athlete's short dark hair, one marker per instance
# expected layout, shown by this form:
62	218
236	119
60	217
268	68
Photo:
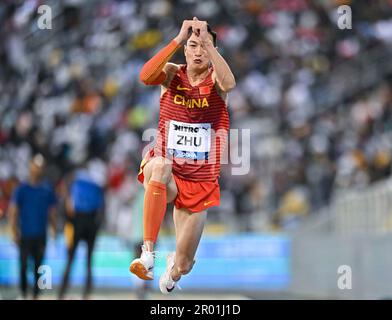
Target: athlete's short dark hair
213	33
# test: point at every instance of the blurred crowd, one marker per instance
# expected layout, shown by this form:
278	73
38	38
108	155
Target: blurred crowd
73	94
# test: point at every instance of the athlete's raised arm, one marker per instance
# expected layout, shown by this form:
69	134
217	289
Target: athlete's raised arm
222	74
157	70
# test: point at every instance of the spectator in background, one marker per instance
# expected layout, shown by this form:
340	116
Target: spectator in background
33	204
84	207
6	188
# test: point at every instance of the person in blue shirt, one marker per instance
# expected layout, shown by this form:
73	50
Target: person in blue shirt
84	207
33	205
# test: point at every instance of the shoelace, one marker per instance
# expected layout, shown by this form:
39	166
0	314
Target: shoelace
154	253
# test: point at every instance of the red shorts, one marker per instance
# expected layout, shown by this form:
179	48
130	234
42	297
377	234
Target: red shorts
195	196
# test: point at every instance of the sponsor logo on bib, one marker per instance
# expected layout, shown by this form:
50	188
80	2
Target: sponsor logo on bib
189	140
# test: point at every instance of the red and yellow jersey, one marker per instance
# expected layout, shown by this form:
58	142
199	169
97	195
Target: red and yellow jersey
193	128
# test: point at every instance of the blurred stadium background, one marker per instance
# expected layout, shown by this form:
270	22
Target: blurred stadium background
318	102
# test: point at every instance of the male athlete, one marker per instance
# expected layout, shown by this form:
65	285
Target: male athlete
184	165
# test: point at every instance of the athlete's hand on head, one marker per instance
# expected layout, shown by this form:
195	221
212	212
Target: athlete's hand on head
185	32
200	29
195	26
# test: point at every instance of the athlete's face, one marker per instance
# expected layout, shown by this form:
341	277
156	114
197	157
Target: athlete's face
195	54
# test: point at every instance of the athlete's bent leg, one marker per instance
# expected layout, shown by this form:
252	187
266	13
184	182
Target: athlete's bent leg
189	228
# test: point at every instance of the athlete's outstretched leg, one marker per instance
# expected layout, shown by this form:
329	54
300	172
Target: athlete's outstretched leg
160	188
189	228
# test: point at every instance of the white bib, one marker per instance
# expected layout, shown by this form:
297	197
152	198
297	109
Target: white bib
189	140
